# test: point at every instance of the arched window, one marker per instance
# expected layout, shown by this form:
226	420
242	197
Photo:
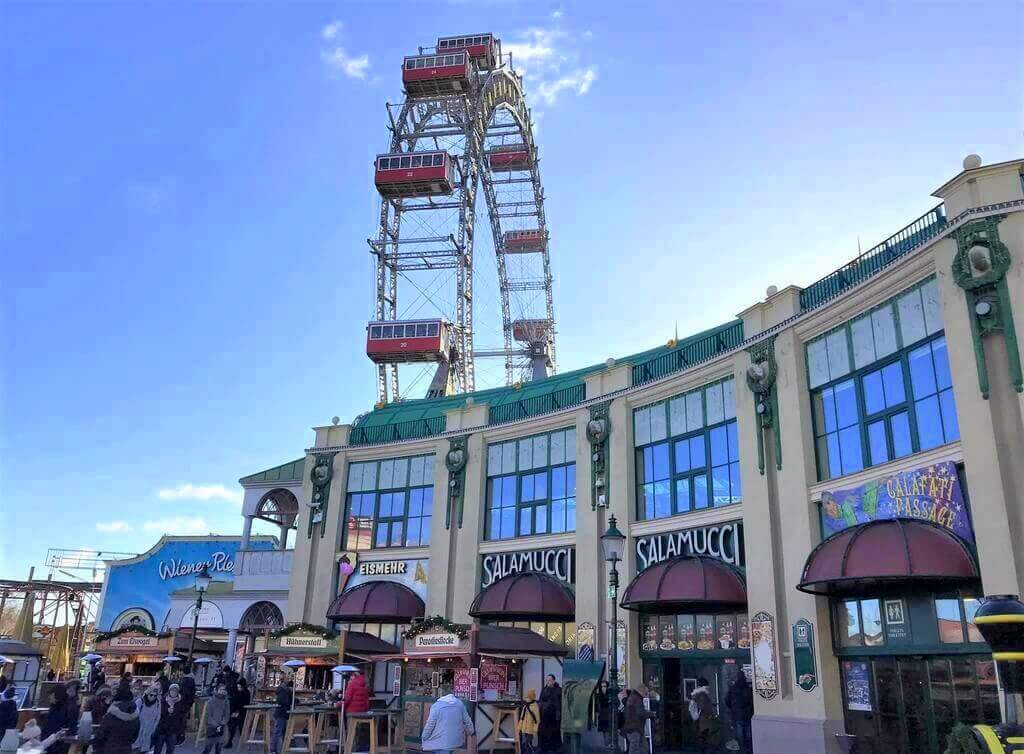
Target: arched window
260	617
278	507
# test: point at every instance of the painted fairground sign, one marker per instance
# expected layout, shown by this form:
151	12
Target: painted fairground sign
559	562
931	493
137	592
722	541
303	640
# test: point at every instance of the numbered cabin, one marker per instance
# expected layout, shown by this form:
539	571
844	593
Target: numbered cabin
482	48
524	241
409	175
509	157
531	330
423	340
436	75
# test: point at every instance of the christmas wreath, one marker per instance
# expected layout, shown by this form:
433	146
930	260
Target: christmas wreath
963	741
436	623
326	633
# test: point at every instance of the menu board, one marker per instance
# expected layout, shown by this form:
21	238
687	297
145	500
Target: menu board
461	683
686	633
667	633
650	633
743	632
493	677
725	631
705	632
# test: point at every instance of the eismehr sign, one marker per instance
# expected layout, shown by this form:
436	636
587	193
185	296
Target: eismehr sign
722	541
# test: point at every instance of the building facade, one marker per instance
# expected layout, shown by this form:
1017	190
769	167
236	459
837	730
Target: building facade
816	494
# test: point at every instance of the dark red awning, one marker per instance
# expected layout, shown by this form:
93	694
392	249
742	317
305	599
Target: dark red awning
525	596
686	583
885	552
503	641
376	601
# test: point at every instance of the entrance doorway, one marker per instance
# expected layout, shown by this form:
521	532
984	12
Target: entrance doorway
908	705
674	680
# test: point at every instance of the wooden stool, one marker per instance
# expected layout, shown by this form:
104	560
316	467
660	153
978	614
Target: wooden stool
322	722
300	726
500	715
355	721
256	718
392	724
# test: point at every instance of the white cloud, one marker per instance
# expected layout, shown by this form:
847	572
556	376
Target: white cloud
552	62
578	81
177	525
353	67
331	30
204	492
556	14
113	527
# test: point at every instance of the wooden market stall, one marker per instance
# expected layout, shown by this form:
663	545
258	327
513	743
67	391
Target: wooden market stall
141	652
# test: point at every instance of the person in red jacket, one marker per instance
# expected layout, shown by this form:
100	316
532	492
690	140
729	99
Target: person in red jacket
356	701
357	695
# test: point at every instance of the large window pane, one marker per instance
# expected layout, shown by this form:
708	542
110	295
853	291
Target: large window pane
871	619
838	354
947	612
901	444
922	371
716	407
911	315
874	394
677	416
659	426
848	619
849	442
863	337
877	443
884	324
817	363
929	423
932	308
729	397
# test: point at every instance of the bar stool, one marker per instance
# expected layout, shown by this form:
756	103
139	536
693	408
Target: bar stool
299	727
257	719
324	720
356	720
502	713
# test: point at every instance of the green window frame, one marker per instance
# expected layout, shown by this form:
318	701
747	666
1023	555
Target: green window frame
687	452
389	503
881	387
531	486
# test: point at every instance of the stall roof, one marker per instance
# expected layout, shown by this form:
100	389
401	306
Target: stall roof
14	647
359	643
503	641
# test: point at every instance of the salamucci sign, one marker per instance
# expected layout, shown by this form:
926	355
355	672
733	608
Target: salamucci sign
559	562
722	541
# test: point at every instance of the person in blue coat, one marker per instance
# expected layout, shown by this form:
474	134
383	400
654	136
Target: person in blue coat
447	725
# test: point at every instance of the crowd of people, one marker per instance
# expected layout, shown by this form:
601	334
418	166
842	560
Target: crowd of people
133	717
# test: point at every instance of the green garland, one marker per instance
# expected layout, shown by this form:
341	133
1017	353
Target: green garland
963	741
433	623
326	633
108	635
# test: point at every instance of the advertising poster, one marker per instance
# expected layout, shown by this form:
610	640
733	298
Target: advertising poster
579	679
585	641
766	676
931	494
353	571
461	683
858	686
138	591
493	677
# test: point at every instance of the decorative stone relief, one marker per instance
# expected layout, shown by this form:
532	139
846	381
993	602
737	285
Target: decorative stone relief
320	476
598	429
455	461
761	376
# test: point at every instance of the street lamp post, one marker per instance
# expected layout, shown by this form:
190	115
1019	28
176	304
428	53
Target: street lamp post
203	579
613	543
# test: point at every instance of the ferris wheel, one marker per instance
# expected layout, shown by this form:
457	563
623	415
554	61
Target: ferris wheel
464	124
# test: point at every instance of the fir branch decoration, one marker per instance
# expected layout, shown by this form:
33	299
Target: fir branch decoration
326	633
963	741
436	623
108	635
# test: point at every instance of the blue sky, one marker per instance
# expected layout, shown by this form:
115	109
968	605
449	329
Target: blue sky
187	190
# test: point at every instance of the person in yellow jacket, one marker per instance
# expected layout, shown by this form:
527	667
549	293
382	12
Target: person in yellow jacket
529	722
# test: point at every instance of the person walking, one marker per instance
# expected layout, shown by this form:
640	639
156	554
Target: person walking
149	717
447	725
218	710
603	711
283	698
62	715
120	725
238	698
188	690
740	703
549	733
702	711
171	726
529	723
8	710
634	716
